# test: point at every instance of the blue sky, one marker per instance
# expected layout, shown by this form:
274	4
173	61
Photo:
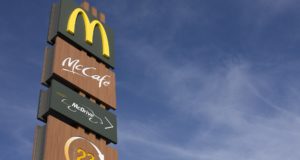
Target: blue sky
196	79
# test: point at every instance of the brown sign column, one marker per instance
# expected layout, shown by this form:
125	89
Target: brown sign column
78	106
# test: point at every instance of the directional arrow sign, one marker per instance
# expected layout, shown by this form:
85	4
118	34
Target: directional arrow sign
62	102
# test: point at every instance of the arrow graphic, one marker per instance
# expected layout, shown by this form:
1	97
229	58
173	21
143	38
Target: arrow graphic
69	106
111	126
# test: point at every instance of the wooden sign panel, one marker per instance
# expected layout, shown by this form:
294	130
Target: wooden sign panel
59	99
81	71
81	28
64	142
39	142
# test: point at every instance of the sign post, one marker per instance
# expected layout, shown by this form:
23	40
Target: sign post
78	106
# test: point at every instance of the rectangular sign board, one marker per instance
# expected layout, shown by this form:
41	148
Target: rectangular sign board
84	73
64	142
81	28
59	100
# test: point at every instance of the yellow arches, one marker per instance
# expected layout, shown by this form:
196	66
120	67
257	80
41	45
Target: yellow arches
89	29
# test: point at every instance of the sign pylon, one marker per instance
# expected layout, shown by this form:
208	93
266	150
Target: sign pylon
79	102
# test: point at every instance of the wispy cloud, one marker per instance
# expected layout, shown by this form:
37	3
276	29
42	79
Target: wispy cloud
240	119
17	129
245	124
261	14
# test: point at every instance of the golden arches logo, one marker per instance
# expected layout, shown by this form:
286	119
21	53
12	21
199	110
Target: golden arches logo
89	29
72	139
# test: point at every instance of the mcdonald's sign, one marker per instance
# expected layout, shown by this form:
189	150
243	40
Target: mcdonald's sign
80	28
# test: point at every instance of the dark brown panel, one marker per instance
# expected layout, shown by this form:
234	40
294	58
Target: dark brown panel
60	100
38	144
71	22
64	141
81	71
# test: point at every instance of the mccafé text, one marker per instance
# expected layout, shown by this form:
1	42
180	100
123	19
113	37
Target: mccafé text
75	67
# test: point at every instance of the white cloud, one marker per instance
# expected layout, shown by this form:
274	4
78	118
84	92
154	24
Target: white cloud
244	122
17	122
277	5
245	118
261	14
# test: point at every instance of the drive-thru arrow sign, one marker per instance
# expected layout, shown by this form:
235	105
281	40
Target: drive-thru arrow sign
61	100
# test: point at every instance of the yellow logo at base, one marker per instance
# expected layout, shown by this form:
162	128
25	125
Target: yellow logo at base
83	155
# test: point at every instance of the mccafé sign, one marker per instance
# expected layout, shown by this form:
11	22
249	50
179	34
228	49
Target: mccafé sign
73	23
66	62
59	141
61	100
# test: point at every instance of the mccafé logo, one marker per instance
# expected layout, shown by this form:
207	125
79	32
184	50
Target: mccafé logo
83	30
75	67
89	29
